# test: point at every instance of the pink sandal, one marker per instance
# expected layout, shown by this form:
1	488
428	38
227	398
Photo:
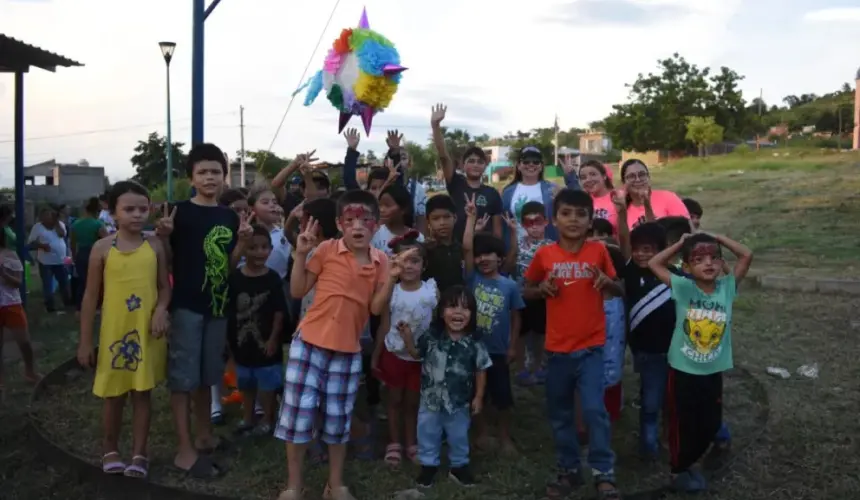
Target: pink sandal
393	454
412	453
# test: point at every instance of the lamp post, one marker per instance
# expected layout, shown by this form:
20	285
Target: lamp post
167	49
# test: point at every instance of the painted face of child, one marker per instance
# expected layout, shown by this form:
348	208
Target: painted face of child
357	223
258	252
705	262
535	226
132	211
266	208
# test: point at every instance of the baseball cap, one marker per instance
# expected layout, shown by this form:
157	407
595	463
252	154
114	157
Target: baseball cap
530	152
296	180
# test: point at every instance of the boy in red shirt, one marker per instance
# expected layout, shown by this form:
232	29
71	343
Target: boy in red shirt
571	276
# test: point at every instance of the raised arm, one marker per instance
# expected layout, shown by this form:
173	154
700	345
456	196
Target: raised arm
302	279
243	239
623	229
280	181
436	117
660	262
350	162
469	235
743	254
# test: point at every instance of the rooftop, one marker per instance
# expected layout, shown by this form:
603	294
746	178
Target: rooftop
16	56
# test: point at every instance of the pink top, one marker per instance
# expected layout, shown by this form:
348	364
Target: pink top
605	209
664	204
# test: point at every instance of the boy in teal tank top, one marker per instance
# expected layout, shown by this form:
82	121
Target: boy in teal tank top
701	348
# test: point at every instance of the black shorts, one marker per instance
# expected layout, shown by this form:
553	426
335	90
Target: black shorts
534	317
498	389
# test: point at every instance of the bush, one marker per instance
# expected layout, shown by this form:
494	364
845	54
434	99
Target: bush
742	149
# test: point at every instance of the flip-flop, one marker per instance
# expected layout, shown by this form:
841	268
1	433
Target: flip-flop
115	466
139	468
204	468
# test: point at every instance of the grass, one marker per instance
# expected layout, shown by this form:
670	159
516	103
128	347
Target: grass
808	451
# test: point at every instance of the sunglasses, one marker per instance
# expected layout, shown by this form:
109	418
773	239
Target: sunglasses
531	162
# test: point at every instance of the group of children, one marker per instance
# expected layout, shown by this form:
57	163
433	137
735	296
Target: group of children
354	290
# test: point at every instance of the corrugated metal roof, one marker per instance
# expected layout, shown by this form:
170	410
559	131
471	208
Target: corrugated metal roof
16	55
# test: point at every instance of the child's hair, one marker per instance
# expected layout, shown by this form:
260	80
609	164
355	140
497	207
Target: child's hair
573	198
358	197
691	242
403	199
231	196
255	193
617	257
262	231
104	196
377	174
440	202
693	207
121	188
407	240
244	191
649	233
488	243
531	208
601	226
454	296
474	151
675	227
324	211
93	206
320	178
337	193
205	152
600	168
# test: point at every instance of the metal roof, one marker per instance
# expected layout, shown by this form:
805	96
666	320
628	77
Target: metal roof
16	55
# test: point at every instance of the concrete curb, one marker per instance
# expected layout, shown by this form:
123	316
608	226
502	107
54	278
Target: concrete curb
806	285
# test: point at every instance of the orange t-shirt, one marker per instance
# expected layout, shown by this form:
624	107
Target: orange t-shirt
344	289
574	317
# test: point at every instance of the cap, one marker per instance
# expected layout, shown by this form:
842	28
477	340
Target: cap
530	152
296	180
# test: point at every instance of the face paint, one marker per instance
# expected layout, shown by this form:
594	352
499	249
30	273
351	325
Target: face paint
702	250
533	221
358	212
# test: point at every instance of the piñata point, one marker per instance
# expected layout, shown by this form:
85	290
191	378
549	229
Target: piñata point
360	75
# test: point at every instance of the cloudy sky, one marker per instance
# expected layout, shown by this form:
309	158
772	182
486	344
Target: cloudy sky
500	65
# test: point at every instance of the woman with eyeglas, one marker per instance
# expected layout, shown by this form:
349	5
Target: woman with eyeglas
643	203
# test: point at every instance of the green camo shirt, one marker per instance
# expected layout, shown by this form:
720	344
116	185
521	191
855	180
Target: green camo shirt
448	370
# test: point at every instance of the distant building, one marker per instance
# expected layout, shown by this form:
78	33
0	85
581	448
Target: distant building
497	153
63	183
595	142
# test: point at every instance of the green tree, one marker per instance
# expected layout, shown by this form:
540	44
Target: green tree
150	160
703	131
181	191
423	160
265	162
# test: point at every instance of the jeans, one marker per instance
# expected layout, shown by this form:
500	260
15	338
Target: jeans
431	424
583	371
653	371
47	274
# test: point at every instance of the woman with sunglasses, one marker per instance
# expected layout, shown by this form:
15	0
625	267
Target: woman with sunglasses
643	203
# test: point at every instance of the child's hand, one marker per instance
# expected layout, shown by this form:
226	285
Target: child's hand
307	239
395	266
374	361
164	225
271	347
511	220
481	223
619	200
394	139
352	138
477	405
160	324
245	230
512	354
471	209
86	355
547	288
298	212
601	280
392	170
404	330
437	114
305	157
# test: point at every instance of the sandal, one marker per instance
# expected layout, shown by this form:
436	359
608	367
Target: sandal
412	453
112	463
216	417
565	482
138	469
204	468
393	454
608	493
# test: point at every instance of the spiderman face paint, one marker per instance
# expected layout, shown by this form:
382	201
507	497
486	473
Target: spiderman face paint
357	223
705	261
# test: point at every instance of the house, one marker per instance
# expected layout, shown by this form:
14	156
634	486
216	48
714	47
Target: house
595	142
63	183
497	153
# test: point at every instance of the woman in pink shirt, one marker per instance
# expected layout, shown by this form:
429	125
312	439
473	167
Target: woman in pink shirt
643	203
595	181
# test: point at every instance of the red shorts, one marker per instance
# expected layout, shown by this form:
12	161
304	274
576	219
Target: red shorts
13	317
613	397
398	373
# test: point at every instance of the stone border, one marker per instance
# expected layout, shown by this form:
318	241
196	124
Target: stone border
800	284
134	489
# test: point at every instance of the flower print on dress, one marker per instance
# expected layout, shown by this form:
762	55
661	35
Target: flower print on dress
132	303
127	352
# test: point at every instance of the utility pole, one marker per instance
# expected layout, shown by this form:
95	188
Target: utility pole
555	142
757	135
242	145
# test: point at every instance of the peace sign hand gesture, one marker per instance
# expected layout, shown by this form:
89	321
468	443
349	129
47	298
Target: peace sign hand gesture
396	266
245	230
601	280
471	208
511	220
437	114
352	138
481	223
306	157
394	139
164	225
307	239
392	170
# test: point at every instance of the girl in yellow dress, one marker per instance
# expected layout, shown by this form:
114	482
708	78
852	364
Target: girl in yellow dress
132	352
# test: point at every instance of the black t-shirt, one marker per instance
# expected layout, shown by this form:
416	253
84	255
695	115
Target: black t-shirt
291	201
487	201
650	309
252	304
202	240
444	264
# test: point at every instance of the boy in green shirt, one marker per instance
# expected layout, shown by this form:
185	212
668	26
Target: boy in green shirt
701	348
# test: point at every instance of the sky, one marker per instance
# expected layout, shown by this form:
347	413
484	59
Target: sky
499	65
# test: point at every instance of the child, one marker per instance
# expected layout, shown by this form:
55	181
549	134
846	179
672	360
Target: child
257	307
701	347
267	213
48	237
412	303
601	229
534	315
13	317
453	377
498	319
395	214
572	275
206	241
695	210
444	260
324	363
235	200
132	355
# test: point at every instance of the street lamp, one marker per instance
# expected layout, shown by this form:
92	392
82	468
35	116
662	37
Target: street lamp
167	49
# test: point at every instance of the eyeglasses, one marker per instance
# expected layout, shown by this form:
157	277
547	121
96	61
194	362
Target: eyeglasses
640	176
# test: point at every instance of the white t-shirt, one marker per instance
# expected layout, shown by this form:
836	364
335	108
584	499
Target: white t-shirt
522	195
110	224
419	198
10	295
57	253
414	308
383	236
280	255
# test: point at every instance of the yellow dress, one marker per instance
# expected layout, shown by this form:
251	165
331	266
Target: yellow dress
130	358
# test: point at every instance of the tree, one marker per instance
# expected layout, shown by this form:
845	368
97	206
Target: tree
266	162
150	160
423	160
181	191
369	157
703	132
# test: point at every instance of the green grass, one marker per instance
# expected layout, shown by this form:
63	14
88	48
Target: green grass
808	451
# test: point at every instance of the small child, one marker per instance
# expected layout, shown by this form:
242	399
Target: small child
395	215
695	210
132	355
701	347
534	223
412	303
453	377
13	317
267	213
498	320
235	200
444	262
601	229
572	276
256	307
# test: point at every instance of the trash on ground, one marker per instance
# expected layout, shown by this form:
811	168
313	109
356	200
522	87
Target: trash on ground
778	372
808	371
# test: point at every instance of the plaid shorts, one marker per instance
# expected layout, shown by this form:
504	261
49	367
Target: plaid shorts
318	382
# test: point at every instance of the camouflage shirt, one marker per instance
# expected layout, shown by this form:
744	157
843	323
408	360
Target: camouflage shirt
448	370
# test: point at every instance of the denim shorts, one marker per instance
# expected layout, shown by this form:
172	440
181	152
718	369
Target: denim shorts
265	378
195	351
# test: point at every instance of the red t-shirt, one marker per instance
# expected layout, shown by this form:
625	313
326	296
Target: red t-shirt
574	317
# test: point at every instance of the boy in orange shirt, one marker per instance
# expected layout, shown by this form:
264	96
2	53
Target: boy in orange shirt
571	276
324	364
